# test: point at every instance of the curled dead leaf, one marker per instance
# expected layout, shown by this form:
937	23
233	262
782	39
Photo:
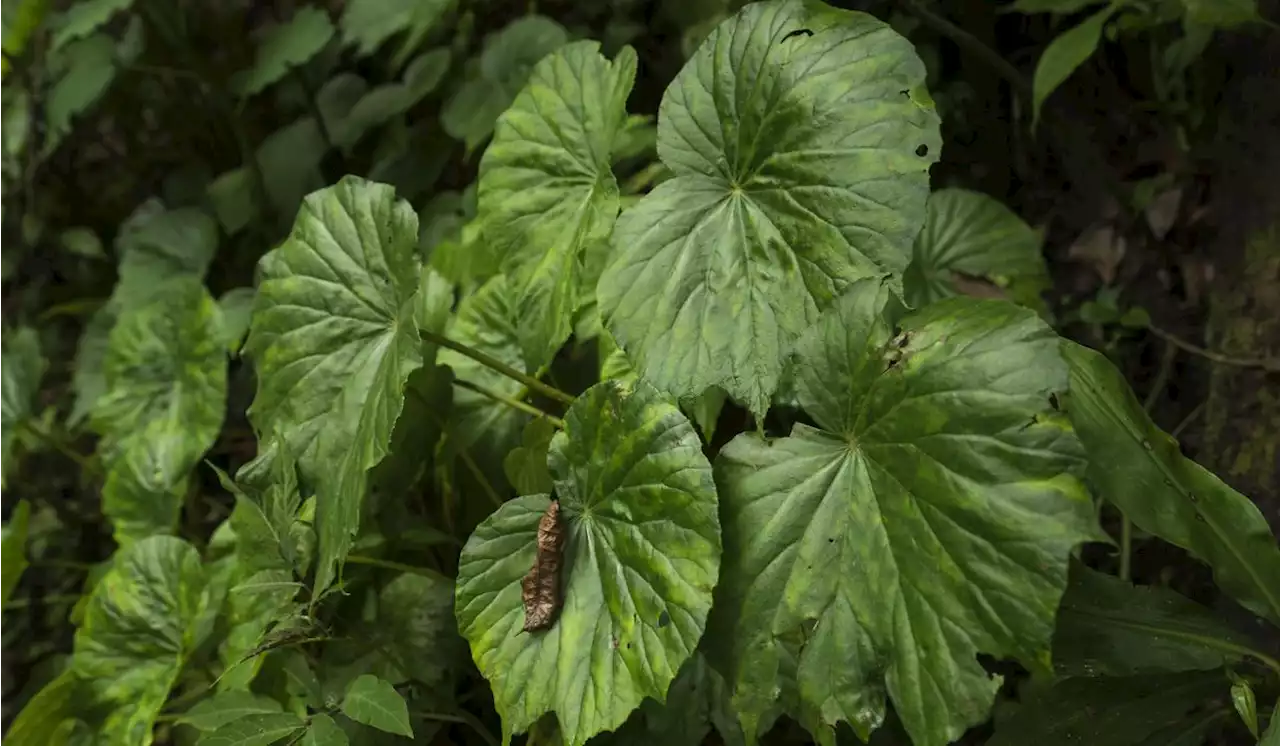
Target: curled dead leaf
540	589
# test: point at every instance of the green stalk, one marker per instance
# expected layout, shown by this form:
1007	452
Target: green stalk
532	383
510	402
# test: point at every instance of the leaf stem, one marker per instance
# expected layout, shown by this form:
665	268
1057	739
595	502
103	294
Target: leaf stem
510	402
534	384
1271	365
480	477
971	44
360	559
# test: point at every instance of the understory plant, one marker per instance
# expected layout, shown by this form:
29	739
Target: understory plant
801	475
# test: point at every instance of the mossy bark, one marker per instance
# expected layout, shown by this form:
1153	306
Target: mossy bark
1242	426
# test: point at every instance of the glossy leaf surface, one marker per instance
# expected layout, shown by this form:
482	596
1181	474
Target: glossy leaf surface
142	624
928	520
547	189
800	139
334	340
641	557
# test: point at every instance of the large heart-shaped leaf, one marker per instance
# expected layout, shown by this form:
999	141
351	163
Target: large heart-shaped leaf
547	189
23	367
928	520
166	391
1140	469
141	625
970	235
800	139
638	508
334	340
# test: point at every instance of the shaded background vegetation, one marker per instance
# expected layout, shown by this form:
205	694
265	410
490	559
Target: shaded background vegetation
1156	193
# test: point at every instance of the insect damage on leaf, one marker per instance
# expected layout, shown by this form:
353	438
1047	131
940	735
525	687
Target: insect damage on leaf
540	589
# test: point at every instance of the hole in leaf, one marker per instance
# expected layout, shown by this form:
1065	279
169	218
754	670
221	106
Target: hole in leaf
922	150
798	32
663	619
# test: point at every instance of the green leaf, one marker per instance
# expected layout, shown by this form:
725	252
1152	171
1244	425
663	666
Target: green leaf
793	135
1222	13
21	368
1270	738
1119	711
324	732
88	381
289	45
255	730
547	189
290	162
334	341
141	626
264	523
638	507
21	19
231	195
938	487
968	234
83	18
156	247
1139	469
1107	627
236	309
697	700
82	242
13	548
493	81
166	377
226	707
366	24
416	617
82	71
486	321
526	465
1064	54
1246	705
374	702
388	101
41	720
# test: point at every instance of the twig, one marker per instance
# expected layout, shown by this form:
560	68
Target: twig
489	362
480	477
1191	417
971	44
1271	365
513	403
